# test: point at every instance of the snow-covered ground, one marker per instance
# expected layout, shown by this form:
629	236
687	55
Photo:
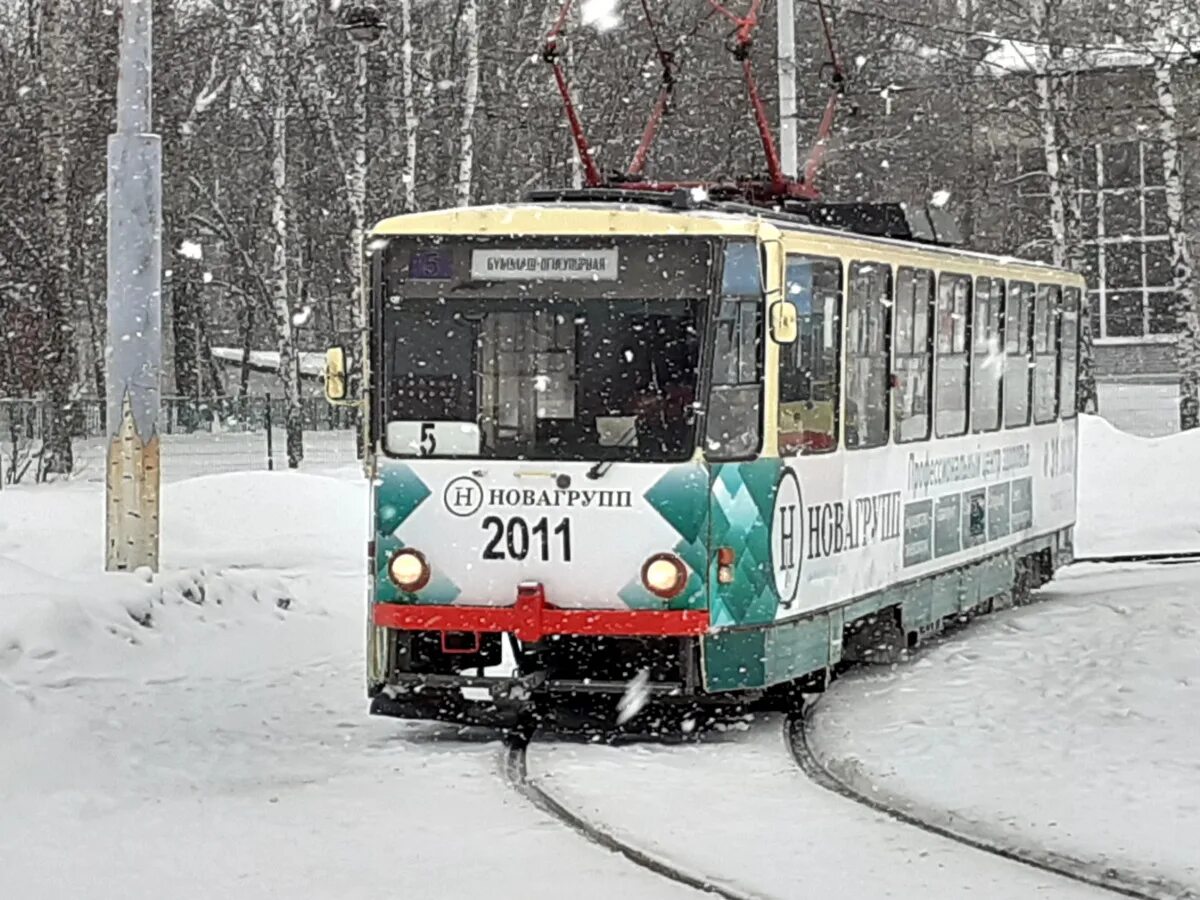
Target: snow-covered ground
1070	724
203	733
222	748
739	811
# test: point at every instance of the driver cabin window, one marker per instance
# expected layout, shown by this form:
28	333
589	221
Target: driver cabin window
735	402
810	368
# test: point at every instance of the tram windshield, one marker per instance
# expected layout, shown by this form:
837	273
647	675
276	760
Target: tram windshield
485	361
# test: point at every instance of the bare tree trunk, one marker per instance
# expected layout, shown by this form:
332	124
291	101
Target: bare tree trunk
1044	85
57	287
466	158
1086	400
247	345
1186	296
289	372
1054	114
402	117
358	190
185	327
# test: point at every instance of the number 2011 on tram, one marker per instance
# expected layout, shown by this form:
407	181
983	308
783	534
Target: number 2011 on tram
725	449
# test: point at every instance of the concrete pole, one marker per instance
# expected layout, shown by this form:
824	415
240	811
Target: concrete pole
133	352
788	126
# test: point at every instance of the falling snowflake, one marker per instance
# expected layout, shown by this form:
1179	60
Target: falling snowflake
300	319
940	198
600	14
191	250
637	694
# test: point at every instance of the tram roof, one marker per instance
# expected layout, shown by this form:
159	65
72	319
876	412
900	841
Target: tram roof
630	219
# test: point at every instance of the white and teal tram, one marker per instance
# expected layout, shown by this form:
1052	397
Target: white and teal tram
724	448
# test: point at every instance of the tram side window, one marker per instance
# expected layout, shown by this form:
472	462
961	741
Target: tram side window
809	369
1069	368
913	354
1018	356
1045	353
868	314
987	365
953	360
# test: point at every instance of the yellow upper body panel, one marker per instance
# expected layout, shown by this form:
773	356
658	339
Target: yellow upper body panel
594	218
632	219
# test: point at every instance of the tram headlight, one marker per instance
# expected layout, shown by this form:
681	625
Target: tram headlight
664	575
409	570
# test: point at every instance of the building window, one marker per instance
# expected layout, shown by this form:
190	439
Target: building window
1125	206
913	346
953	363
868	320
1127	253
809	369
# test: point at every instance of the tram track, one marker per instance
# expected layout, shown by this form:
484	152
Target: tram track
1107	878
515	771
1180	557
1112	880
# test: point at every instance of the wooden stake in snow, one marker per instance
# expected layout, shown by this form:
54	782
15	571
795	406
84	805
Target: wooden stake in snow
134	345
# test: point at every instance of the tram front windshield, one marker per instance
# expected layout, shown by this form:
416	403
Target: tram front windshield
604	368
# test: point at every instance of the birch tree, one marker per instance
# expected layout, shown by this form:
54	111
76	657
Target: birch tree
1054	84
279	91
402	114
1166	45
469	23
55	299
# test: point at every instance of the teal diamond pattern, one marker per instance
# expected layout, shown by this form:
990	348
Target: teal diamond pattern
398	493
743	498
681	498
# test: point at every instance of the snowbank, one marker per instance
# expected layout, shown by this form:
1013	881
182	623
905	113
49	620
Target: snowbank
1136	495
57	632
238	552
1069	725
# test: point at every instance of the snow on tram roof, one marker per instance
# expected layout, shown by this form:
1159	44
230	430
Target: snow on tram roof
527	218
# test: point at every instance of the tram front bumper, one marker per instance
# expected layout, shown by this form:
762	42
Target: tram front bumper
532	619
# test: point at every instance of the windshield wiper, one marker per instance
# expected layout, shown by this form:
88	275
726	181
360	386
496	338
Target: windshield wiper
602	467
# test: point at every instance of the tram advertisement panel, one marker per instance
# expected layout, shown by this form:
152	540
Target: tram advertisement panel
848	524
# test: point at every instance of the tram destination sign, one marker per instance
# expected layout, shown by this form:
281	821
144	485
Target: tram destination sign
529	264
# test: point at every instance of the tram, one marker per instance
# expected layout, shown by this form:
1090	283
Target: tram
616	435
